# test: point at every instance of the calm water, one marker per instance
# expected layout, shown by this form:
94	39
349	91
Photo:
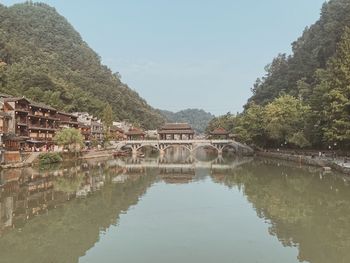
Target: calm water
154	210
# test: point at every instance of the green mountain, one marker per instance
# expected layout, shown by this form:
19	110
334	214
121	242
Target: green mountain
198	119
45	59
304	98
311	52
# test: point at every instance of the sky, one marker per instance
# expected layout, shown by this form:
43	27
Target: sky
180	54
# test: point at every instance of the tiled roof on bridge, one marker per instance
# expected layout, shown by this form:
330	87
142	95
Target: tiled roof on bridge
176	131
219	131
175	128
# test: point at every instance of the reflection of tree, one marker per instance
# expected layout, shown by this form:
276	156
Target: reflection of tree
68	184
66	233
304	209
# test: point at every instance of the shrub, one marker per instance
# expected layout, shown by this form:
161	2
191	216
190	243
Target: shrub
47	158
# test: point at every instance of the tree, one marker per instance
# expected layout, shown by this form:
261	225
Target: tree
70	139
284	117
250	125
335	82
107	117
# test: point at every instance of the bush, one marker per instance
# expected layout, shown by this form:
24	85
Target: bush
47	158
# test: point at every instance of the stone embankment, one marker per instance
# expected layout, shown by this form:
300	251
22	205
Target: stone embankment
29	159
337	164
96	154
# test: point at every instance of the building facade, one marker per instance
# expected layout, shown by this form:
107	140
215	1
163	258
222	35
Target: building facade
28	125
96	126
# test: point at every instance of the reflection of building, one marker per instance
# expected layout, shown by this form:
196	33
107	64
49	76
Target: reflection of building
25	193
176	131
177	175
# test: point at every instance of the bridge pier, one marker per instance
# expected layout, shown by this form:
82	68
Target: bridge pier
134	150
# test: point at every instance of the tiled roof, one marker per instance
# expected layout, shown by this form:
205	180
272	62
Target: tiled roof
176	131
11	99
41	105
114	128
176	126
219	131
67	114
135	131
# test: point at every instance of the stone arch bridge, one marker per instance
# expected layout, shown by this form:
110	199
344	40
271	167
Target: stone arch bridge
190	145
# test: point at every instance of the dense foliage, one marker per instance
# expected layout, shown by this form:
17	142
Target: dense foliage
43	58
197	118
70	138
304	98
48	158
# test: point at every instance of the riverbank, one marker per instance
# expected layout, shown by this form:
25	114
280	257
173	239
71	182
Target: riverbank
32	159
324	162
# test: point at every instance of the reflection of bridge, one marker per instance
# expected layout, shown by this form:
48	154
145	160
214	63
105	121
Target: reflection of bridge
196	164
190	145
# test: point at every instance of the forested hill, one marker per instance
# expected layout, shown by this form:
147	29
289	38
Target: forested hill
304	98
43	58
312	51
197	118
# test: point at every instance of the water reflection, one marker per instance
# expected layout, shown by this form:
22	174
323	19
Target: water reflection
304	207
58	213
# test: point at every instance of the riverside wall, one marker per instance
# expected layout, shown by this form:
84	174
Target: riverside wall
306	160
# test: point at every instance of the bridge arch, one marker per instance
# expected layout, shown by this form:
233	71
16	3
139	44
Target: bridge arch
147	145
205	145
177	145
231	145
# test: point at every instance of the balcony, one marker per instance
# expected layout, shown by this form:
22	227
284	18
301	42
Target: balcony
42	127
46	117
21	110
21	122
41	139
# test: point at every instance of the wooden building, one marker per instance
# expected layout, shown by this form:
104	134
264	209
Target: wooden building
4	126
219	133
176	131
67	120
117	133
42	125
85	130
97	130
31	125
135	134
17	133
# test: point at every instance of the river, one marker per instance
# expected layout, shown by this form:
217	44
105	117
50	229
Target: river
174	210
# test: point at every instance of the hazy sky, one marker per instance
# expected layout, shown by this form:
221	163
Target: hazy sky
189	53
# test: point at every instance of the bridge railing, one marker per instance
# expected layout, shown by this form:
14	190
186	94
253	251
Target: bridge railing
176	141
